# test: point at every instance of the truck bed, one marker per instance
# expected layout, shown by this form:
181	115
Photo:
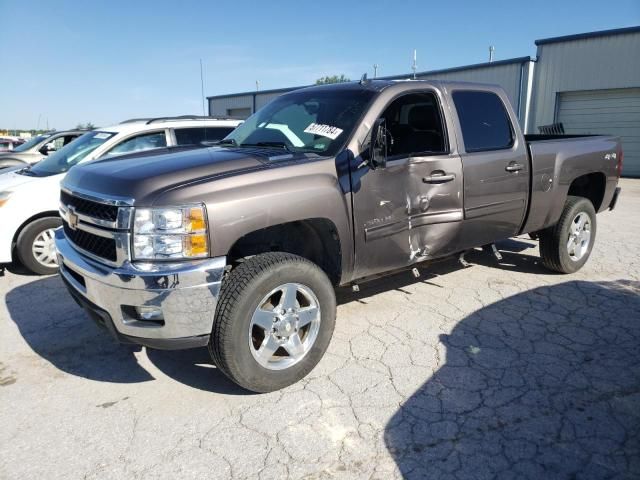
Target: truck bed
538	137
554	159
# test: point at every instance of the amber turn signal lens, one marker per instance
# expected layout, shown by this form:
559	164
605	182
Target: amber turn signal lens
196	245
196	222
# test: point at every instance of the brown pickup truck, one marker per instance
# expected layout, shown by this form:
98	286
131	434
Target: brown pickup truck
239	246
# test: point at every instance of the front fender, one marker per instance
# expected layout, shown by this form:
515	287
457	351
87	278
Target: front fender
242	204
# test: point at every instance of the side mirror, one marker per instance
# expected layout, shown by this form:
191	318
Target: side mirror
378	145
48	148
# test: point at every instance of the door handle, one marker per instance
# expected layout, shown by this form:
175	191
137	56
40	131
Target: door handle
514	167
439	177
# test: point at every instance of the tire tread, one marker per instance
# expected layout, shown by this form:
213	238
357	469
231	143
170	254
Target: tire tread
550	238
233	286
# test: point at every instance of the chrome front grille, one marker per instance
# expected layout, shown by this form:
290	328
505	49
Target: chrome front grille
99	246
98	228
89	207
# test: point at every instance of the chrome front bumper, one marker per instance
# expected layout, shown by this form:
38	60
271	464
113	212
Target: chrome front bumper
186	293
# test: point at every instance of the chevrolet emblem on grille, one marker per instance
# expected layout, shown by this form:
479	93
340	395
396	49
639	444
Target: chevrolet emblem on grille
72	218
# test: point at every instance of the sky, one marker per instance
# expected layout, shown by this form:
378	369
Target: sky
102	62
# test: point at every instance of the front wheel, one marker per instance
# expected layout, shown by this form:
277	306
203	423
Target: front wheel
566	246
36	247
274	321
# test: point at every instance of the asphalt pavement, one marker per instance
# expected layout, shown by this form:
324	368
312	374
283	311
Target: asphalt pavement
498	370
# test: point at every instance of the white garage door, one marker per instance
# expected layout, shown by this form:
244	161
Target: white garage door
610	112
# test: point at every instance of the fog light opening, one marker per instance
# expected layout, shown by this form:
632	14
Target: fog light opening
147	314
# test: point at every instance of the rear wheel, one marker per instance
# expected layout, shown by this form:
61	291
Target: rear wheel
36	247
274	321
566	246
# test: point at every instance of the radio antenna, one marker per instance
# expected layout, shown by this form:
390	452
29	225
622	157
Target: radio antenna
202	88
414	67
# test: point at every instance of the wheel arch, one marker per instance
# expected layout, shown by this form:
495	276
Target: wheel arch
316	239
591	186
547	207
37	216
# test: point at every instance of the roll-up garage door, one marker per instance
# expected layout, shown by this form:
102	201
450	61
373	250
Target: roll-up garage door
606	112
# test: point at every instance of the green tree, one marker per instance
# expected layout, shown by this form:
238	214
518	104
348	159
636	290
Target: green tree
332	79
88	126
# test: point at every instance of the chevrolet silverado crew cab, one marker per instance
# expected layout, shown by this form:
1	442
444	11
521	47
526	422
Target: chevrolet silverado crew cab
239	246
29	196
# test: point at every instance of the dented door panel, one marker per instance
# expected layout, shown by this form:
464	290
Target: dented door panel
408	212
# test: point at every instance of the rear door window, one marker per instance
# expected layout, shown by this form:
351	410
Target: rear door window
197	135
140	143
484	121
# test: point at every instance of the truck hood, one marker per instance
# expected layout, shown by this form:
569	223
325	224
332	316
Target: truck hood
142	178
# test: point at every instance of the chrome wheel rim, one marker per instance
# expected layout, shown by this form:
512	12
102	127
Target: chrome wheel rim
284	326
579	237
44	248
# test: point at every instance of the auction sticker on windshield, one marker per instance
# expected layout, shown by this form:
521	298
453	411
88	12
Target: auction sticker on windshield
323	130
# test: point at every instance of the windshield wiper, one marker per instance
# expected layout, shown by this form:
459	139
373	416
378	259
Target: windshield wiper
27	171
267	144
227	141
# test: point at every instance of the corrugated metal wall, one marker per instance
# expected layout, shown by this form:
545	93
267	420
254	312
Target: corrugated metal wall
598	62
221	105
603	62
263	98
509	76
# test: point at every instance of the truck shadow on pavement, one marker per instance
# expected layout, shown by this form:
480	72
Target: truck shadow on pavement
62	333
513	259
543	384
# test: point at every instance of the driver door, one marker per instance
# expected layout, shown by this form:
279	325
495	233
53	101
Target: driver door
411	209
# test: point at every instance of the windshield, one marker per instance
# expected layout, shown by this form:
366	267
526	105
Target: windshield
304	121
69	155
34	141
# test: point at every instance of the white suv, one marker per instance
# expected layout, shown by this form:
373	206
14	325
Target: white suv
29	197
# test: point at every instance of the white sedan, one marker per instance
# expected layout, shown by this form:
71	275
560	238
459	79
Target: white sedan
29	197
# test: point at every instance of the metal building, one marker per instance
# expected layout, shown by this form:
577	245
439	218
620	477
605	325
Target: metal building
588	82
241	105
514	75
591	84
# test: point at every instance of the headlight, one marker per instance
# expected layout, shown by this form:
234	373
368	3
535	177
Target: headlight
4	197
166	233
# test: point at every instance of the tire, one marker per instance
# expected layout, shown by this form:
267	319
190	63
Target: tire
40	230
556	244
236	340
